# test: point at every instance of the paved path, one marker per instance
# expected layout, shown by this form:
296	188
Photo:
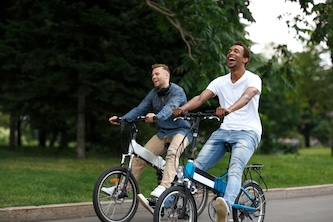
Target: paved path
302	209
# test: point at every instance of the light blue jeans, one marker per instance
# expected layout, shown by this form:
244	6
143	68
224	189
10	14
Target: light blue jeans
243	144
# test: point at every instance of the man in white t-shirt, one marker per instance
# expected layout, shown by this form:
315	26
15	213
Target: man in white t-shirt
238	93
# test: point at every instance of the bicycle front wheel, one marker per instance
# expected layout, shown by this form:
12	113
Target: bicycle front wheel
111	202
253	196
201	197
174	205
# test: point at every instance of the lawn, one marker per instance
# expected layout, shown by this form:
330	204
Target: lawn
39	177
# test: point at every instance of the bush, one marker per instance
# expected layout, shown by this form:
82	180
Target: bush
323	132
285	148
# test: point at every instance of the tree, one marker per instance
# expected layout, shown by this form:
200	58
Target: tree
322	29
321	33
208	28
312	79
279	108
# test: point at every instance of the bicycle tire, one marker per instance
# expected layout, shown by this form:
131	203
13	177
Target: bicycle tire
254	189
201	198
170	203
113	208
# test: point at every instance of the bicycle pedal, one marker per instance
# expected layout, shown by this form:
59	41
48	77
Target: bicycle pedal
152	201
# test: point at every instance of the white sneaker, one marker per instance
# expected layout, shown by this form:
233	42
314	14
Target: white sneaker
221	208
108	190
145	203
158	191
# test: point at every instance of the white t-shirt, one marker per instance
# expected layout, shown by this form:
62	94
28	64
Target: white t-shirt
246	118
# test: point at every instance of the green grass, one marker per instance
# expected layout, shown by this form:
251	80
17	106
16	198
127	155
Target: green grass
38	177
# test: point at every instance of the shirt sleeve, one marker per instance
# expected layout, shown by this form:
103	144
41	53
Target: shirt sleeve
142	109
214	85
256	82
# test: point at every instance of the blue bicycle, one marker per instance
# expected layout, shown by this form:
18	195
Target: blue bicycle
177	202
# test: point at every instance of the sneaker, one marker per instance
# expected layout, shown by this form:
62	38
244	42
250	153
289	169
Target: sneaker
221	208
108	190
145	203
158	191
170	201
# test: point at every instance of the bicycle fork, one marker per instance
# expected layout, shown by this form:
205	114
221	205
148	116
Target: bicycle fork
183	214
123	193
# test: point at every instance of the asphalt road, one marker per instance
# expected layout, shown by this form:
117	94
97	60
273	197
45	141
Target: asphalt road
305	209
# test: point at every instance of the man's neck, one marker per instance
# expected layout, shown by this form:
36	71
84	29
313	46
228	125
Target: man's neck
165	86
236	74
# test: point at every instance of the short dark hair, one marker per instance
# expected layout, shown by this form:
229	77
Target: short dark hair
165	67
247	52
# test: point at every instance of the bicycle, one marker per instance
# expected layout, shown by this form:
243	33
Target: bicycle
121	204
177	202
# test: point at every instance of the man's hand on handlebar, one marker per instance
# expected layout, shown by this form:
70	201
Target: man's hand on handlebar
221	112
114	120
177	111
150	118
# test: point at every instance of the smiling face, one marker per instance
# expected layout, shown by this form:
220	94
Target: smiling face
235	57
160	77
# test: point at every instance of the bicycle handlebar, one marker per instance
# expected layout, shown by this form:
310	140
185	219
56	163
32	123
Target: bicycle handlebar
137	119
210	114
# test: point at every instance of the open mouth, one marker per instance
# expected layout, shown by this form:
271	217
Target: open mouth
231	61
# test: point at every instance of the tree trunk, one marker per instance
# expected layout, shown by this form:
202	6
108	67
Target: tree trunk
12	132
332	145
19	135
42	138
307	140
80	131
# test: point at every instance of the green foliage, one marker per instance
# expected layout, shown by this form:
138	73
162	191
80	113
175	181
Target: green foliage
58	50
294	97
53	52
208	28
323	132
279	80
323	20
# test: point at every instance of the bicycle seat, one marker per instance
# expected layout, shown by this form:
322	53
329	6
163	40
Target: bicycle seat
228	147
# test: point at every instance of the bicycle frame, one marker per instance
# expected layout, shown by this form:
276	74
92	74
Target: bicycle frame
155	161
135	149
217	184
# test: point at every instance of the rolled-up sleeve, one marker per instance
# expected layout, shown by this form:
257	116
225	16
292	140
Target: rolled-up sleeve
142	109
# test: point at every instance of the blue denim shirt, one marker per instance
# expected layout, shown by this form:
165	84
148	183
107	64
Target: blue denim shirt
175	97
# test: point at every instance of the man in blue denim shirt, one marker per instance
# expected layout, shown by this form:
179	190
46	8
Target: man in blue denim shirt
157	106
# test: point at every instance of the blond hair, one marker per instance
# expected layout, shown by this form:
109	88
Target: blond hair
165	67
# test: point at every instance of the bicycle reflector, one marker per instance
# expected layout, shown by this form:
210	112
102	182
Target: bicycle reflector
180	172
114	180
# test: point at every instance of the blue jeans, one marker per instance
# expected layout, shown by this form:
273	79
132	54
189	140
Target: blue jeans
243	144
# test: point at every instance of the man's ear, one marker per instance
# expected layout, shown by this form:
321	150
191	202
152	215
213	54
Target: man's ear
168	75
245	60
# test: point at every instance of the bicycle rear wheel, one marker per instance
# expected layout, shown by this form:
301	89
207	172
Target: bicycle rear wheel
171	203
257	200
111	203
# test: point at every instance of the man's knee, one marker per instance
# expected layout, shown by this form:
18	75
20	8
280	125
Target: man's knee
138	162
171	154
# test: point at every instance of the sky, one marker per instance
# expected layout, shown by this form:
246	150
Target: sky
268	28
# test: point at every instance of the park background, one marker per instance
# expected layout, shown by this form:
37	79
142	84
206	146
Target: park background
66	67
